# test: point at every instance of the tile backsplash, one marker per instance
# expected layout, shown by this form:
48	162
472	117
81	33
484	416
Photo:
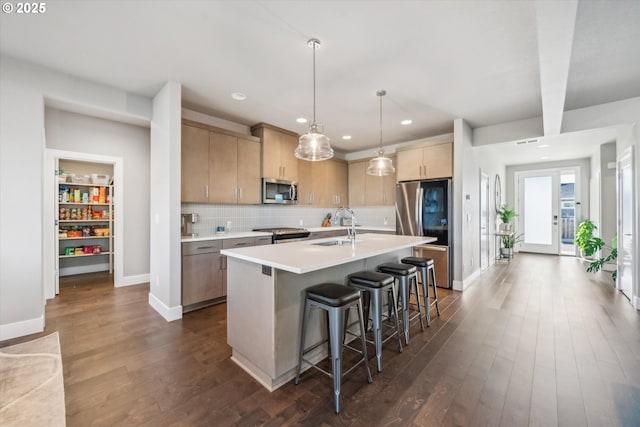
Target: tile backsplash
246	218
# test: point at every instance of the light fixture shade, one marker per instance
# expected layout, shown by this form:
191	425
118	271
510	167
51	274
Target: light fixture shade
381	166
314	146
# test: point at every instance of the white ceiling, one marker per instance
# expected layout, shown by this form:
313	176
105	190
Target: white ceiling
437	60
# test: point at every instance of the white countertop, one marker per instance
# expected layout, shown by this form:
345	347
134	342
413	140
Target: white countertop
306	256
219	236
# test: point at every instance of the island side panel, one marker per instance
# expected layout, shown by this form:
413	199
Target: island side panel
250	318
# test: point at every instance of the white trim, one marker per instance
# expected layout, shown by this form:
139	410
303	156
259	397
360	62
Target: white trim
461	285
133	280
169	313
22	328
83	269
637	303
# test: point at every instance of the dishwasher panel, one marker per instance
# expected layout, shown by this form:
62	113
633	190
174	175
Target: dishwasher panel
440	256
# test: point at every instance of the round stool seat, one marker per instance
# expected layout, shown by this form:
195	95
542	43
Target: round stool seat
371	279
418	262
397	269
332	294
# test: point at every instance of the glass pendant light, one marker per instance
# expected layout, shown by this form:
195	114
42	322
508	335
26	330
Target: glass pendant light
313	145
381	165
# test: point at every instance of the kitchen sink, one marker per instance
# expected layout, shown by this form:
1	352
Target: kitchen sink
333	243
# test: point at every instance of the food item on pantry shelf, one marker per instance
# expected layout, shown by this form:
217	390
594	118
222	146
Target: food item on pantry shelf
85	197
97	249
79	250
69	251
97	214
76	196
102	196
95	194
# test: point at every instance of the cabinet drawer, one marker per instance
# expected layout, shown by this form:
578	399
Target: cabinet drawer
203	247
260	241
238	243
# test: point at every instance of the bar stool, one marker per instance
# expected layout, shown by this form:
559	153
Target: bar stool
335	299
406	276
375	285
427	271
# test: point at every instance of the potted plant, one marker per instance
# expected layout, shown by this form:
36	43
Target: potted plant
586	241
508	242
589	245
506	214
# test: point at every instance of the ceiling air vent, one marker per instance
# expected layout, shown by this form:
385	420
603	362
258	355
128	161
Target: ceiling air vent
526	141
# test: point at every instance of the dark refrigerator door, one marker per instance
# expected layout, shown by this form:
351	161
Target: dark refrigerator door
435	210
408	208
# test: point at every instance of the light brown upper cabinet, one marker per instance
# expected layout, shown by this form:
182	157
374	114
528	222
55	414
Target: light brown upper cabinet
219	166
278	146
323	183
195	165
433	161
369	190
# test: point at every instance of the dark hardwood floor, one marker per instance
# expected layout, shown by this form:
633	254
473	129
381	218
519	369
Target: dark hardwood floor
538	342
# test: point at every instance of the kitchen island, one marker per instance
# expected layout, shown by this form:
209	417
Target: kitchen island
265	295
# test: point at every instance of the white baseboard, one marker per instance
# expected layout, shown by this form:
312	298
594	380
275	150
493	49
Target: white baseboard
20	329
637	303
461	285
83	269
132	280
169	313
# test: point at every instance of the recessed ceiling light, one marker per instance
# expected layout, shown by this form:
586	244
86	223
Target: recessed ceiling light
543	146
406	122
346	137
301	120
544	157
238	96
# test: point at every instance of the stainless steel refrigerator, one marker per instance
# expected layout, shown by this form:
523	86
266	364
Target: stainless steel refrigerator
424	208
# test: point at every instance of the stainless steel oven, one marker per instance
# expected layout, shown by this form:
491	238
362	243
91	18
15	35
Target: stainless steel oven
275	191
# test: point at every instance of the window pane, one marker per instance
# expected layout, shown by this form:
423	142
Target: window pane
537	210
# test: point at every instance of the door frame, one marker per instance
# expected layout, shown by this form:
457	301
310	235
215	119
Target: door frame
50	280
627	156
485	256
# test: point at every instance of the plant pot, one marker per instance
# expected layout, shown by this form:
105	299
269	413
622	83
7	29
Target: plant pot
505	227
506	252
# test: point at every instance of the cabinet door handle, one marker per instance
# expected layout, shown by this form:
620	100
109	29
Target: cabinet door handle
235	194
204	247
240	193
206	191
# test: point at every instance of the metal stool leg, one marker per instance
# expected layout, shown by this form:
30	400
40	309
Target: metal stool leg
435	291
307	310
336	333
414	280
424	280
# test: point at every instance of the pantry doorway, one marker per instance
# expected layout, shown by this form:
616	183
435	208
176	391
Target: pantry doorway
85	233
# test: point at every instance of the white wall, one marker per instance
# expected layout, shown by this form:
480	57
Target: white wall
24	88
608	221
165	292
79	133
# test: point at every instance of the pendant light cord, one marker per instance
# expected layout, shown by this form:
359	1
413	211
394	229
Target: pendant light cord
380	122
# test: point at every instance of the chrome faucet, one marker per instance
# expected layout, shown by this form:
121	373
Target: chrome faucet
352	231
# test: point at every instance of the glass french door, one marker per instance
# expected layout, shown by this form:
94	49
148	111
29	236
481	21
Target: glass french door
625	226
538	212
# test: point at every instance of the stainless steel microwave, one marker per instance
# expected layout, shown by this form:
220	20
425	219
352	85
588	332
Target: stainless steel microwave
275	191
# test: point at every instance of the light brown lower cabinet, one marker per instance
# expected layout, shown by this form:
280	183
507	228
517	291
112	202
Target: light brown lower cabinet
204	270
202	279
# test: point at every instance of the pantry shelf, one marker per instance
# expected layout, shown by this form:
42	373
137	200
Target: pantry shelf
85	237
83	255
91	229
